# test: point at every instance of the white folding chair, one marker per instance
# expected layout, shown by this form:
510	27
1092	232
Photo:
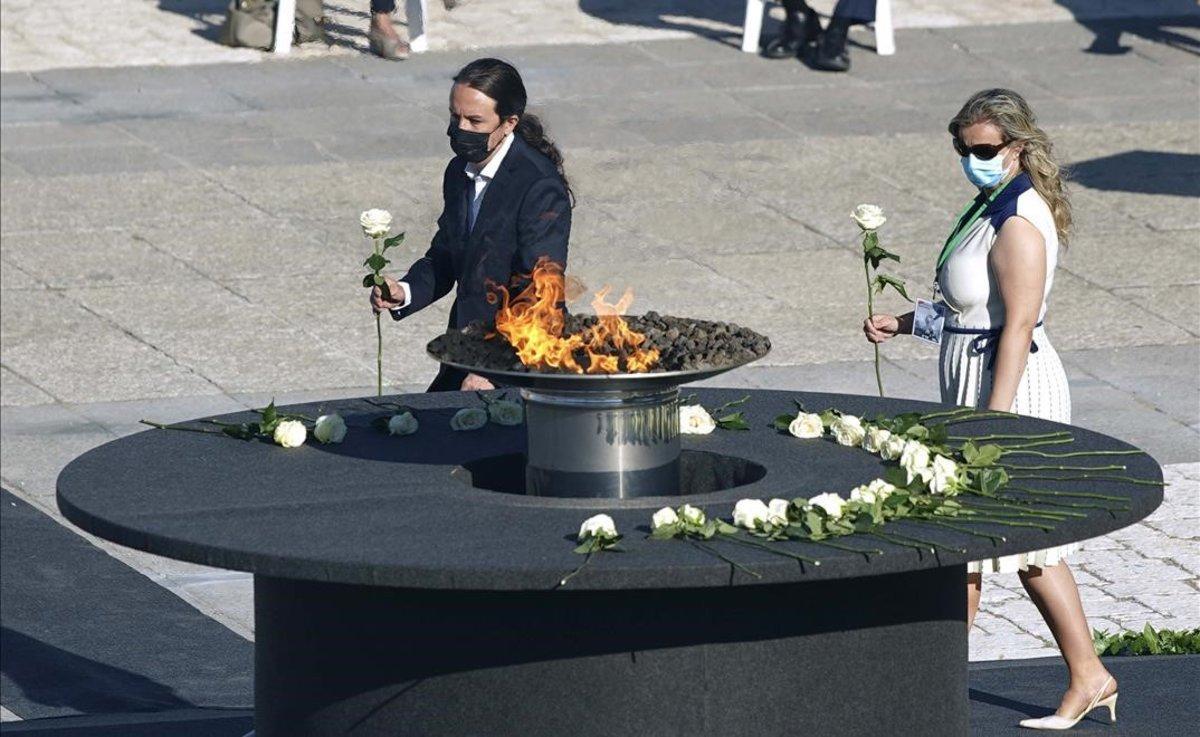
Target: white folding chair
416	11
885	39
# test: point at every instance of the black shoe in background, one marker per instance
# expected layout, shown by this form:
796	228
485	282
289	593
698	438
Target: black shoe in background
830	53
796	34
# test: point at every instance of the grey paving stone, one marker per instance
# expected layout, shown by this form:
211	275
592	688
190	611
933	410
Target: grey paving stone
65	160
20	136
100	258
252	153
17	392
1161	376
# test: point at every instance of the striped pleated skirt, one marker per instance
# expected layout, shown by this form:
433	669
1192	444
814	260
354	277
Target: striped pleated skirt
965	378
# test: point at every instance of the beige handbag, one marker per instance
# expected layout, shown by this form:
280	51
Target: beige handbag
251	23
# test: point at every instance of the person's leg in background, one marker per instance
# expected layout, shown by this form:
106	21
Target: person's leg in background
381	35
830	53
800	26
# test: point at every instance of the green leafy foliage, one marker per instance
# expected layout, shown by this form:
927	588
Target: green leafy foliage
393	241
376	262
1147	642
882	281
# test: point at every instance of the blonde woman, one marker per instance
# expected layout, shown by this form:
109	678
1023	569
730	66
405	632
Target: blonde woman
993	275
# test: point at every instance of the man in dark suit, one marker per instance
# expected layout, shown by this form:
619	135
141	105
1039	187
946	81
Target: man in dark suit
506	204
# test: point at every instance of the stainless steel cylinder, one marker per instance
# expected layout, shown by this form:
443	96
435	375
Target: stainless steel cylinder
606	444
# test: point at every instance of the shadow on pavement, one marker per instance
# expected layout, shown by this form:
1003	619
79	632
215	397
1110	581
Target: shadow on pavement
1145	172
1108	31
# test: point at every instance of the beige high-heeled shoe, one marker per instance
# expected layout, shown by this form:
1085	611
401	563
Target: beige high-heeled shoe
1059	723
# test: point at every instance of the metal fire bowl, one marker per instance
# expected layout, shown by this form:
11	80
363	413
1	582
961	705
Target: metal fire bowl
650	381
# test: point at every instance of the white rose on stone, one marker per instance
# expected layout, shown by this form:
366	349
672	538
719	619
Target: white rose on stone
376	223
847	430
779	512
692	515
945	475
868	217
402	424
290	433
914	459
469	418
807	425
874	439
506	412
831	503
330	428
750	514
695	420
877	490
601	526
664	518
892	448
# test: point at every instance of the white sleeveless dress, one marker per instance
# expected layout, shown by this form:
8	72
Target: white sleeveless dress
969	289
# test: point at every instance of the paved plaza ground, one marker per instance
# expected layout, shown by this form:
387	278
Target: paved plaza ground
180	238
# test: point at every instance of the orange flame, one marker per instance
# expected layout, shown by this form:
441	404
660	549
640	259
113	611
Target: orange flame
533	322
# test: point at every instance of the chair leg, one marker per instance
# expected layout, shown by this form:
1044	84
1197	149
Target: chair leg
885	40
285	25
752	29
417	12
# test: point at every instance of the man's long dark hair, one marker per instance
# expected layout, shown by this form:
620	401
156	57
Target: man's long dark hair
501	81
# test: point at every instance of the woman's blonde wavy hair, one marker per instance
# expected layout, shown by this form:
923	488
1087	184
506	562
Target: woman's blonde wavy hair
1009	112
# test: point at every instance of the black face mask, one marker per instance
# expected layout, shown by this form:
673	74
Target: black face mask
470	145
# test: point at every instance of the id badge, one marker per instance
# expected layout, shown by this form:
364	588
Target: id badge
928	320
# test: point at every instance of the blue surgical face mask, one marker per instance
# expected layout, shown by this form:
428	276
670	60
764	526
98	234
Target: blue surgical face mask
984	173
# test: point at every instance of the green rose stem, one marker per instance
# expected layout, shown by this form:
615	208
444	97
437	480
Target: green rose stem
948	413
1089	477
871	305
595	545
981	519
1075	494
282	417
967	530
1062	437
711	551
769	549
909	541
979	416
1020	467
378	332
1006	510
1073	454
161	426
1060	504
866	553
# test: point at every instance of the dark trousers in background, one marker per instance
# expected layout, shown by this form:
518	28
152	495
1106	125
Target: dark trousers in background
383	6
848	11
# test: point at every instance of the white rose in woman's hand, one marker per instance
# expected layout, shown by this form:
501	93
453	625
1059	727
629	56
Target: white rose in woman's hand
750	514
664	518
868	217
402	424
600	526
695	420
290	433
847	429
330	428
807	425
469	418
376	223
506	412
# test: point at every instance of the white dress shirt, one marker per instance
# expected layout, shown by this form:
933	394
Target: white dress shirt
481	177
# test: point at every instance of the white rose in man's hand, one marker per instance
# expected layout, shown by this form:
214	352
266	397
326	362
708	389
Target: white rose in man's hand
290	433
695	420
402	424
868	217
807	425
506	412
664	518
847	430
750	514
600	526
469	418
831	503
330	428
376	223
